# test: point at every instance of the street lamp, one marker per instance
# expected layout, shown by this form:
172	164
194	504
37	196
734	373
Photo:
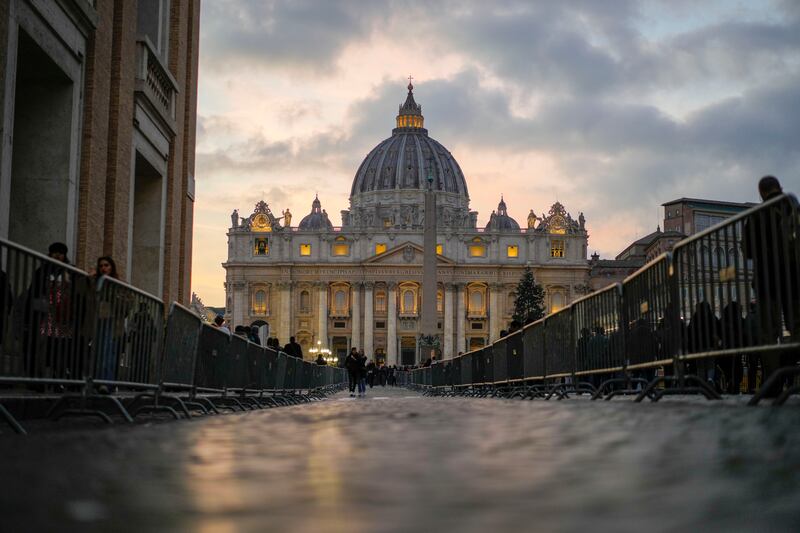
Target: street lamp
326	354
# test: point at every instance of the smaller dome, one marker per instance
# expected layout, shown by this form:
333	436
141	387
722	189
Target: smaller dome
317	219
500	221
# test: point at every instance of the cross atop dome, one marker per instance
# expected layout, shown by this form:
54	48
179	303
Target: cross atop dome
410	113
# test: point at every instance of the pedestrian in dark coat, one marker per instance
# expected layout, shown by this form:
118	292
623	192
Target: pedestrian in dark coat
352	363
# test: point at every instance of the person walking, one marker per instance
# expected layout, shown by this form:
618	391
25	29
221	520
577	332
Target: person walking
352	364
371	374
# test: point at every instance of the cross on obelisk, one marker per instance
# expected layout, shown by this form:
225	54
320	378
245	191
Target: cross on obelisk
429	332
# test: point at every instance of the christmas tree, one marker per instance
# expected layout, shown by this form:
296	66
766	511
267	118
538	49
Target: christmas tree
529	299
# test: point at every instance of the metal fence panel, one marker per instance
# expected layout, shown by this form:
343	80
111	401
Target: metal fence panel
559	352
456	370
499	360
281	369
533	350
514	355
238	372
466	369
46	317
180	346
652	330
478	365
129	330
256	360
213	358
597	331
269	369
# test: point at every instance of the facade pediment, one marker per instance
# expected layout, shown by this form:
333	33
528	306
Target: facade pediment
407	253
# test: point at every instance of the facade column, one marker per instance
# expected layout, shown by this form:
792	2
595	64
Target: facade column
448	320
355	311
391	332
285	311
369	320
494	312
461	313
322	312
241	303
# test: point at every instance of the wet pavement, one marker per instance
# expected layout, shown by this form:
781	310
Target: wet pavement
396	461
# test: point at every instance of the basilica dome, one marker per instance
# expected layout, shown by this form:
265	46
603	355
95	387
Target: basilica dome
405	160
500	220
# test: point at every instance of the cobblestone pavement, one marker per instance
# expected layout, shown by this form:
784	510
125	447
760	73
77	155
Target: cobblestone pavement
396	461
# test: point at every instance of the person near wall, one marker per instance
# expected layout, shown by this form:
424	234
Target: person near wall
352	363
293	348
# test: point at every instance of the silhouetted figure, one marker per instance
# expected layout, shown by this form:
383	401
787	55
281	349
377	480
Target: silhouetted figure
769	240
293	349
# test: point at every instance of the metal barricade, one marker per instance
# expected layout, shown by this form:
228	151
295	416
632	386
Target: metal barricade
514	356
180	352
256	360
652	326
437	374
281	369
478	367
499	361
455	371
213	360
269	369
128	332
597	332
533	351
559	353
308	376
238	371
466	369
46	319
738	292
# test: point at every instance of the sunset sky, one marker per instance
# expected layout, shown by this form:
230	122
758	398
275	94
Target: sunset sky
611	108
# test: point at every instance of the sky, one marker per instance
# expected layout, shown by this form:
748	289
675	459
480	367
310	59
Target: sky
611	108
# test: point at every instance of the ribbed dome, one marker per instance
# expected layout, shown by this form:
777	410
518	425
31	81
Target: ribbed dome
500	221
316	220
402	161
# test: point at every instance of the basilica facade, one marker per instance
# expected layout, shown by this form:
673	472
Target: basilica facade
360	284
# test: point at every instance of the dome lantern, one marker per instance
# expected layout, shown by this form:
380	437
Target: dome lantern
410	113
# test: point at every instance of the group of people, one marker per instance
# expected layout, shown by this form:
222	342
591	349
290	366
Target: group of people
292	348
362	372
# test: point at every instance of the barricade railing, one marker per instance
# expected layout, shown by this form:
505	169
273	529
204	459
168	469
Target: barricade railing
700	318
92	343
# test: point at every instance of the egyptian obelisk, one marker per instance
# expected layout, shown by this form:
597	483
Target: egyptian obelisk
429	339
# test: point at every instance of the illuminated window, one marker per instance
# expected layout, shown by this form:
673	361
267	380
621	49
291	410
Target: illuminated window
305	302
380	301
476	300
477	248
340	247
556	301
439	249
439	301
261	246
512	250
408	302
387	222
340	302
305	249
380	248
556	248
260	302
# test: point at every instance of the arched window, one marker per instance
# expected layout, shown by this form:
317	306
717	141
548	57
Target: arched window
511	301
260	302
476	301
439	301
556	301
380	301
408	301
305	302
340	302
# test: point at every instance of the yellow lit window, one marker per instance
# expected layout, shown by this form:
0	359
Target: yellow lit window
380	248
512	250
261	247
260	302
387	222
556	248
340	246
477	250
439	249
305	249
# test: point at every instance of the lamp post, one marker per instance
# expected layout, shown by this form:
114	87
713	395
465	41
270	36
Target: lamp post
327	356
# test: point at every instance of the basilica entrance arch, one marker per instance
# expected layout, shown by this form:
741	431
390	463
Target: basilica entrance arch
408	351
